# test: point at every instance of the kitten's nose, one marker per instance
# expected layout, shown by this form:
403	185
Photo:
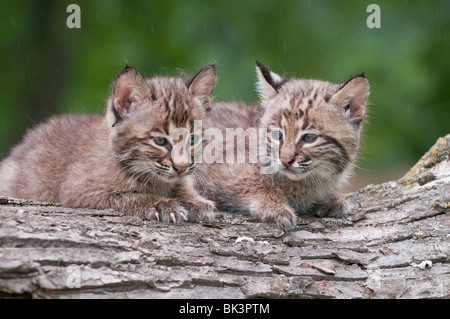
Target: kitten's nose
286	161
180	168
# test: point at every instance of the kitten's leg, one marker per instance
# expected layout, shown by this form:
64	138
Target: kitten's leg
200	208
274	211
135	204
333	206
265	202
242	188
149	206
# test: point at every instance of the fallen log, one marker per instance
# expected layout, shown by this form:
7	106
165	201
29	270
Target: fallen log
395	243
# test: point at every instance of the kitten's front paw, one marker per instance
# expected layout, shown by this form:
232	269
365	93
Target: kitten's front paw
201	210
332	207
166	211
282	215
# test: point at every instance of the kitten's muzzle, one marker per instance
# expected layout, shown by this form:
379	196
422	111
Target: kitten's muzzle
287	162
180	168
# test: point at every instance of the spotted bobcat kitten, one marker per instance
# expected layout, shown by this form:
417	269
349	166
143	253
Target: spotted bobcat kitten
314	130
122	160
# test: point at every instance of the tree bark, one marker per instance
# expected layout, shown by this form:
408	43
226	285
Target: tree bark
395	243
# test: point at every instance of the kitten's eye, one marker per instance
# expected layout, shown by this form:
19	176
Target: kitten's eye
310	138
277	135
194	139
161	141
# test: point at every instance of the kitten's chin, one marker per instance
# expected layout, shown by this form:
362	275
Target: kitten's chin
173	178
291	174
170	179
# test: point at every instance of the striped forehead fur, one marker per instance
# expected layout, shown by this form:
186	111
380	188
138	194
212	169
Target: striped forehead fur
172	96
297	98
304	93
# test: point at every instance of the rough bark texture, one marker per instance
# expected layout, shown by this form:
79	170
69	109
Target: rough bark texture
394	244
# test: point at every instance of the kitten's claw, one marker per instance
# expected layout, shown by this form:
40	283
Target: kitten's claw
167	211
151	214
183	217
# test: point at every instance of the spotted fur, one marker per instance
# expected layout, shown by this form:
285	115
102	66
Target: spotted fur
119	160
304	172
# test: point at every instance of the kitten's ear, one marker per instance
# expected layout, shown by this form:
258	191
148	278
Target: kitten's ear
268	82
129	91
202	84
352	98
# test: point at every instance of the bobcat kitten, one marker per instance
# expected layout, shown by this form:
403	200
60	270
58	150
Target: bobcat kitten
121	160
314	130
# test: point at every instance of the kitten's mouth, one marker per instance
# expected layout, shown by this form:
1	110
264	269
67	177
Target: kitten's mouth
173	177
295	174
169	178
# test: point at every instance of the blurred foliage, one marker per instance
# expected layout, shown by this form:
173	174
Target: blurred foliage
47	68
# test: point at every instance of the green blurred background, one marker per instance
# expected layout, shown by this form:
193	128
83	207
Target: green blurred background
47	68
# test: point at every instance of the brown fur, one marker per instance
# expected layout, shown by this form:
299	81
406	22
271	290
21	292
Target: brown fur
333	113
113	161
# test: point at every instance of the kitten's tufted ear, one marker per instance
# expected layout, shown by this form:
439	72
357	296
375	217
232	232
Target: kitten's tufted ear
128	92
268	82
352	98
202	84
